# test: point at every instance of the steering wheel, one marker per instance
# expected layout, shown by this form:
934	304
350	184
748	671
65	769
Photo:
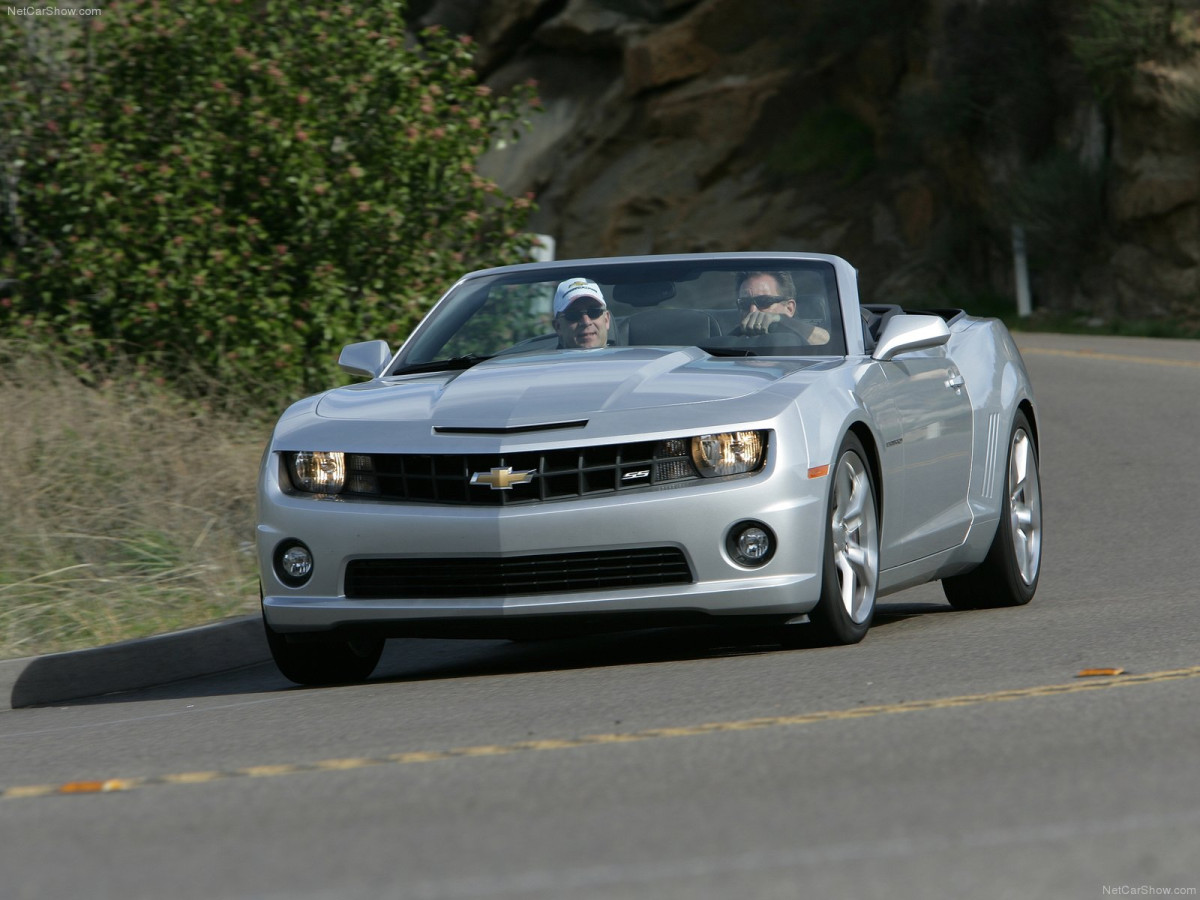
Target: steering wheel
773	328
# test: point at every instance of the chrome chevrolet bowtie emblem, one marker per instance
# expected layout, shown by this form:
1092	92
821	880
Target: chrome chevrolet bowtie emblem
502	479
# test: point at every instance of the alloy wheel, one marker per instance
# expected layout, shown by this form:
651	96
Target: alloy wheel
855	533
1025	506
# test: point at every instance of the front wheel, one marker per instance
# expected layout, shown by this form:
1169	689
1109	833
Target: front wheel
1008	576
324	659
850	576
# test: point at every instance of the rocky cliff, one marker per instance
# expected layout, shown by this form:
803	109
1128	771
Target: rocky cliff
907	135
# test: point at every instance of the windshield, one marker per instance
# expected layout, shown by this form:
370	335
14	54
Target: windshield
742	307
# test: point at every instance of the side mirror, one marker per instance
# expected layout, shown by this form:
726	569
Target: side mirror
365	358
905	333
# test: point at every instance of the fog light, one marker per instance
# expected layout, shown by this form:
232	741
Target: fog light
751	543
293	563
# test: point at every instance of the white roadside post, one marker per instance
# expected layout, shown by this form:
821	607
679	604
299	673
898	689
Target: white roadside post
543	248
1021	269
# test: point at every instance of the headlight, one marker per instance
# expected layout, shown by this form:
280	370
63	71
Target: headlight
317	471
730	453
331	472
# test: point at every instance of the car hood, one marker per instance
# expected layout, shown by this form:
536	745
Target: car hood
559	387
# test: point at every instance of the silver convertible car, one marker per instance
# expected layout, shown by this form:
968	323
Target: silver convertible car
607	444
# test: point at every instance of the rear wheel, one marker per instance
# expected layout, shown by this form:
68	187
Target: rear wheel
1008	576
851	567
324	659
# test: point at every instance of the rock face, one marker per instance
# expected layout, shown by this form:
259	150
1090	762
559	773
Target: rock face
1154	201
901	134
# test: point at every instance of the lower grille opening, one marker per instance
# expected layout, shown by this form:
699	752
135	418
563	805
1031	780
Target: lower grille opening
378	579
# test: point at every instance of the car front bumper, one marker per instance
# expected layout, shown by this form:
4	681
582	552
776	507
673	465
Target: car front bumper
696	518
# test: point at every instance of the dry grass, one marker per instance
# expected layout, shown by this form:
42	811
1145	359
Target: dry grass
124	510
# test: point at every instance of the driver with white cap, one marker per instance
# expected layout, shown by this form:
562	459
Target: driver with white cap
581	316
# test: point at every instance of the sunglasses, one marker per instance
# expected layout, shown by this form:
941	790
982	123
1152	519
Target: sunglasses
576	315
762	301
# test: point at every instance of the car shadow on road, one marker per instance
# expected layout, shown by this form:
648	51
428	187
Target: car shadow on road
428	660
433	659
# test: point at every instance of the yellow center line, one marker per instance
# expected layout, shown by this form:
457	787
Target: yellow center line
1111	357
111	785
192	777
346	764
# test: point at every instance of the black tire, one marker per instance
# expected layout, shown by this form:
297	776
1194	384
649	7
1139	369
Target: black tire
320	660
850	575
1009	574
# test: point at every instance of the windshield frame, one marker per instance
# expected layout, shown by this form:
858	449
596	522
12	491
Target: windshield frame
468	295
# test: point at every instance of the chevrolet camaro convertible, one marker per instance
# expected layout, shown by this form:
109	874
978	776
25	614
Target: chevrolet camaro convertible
607	444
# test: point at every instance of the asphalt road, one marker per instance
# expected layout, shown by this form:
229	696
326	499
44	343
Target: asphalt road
952	754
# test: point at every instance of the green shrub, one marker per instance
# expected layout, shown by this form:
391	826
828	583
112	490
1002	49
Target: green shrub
991	81
1059	201
248	184
1112	36
1182	95
841	27
829	138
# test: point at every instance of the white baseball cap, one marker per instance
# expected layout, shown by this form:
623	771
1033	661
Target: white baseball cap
576	289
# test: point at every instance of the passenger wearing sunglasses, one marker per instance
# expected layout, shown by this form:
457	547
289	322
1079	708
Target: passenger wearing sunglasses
581	316
767	298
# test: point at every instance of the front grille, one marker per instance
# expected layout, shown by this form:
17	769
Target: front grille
377	579
554	474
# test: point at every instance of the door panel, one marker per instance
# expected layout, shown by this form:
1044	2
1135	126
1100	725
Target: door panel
936	415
